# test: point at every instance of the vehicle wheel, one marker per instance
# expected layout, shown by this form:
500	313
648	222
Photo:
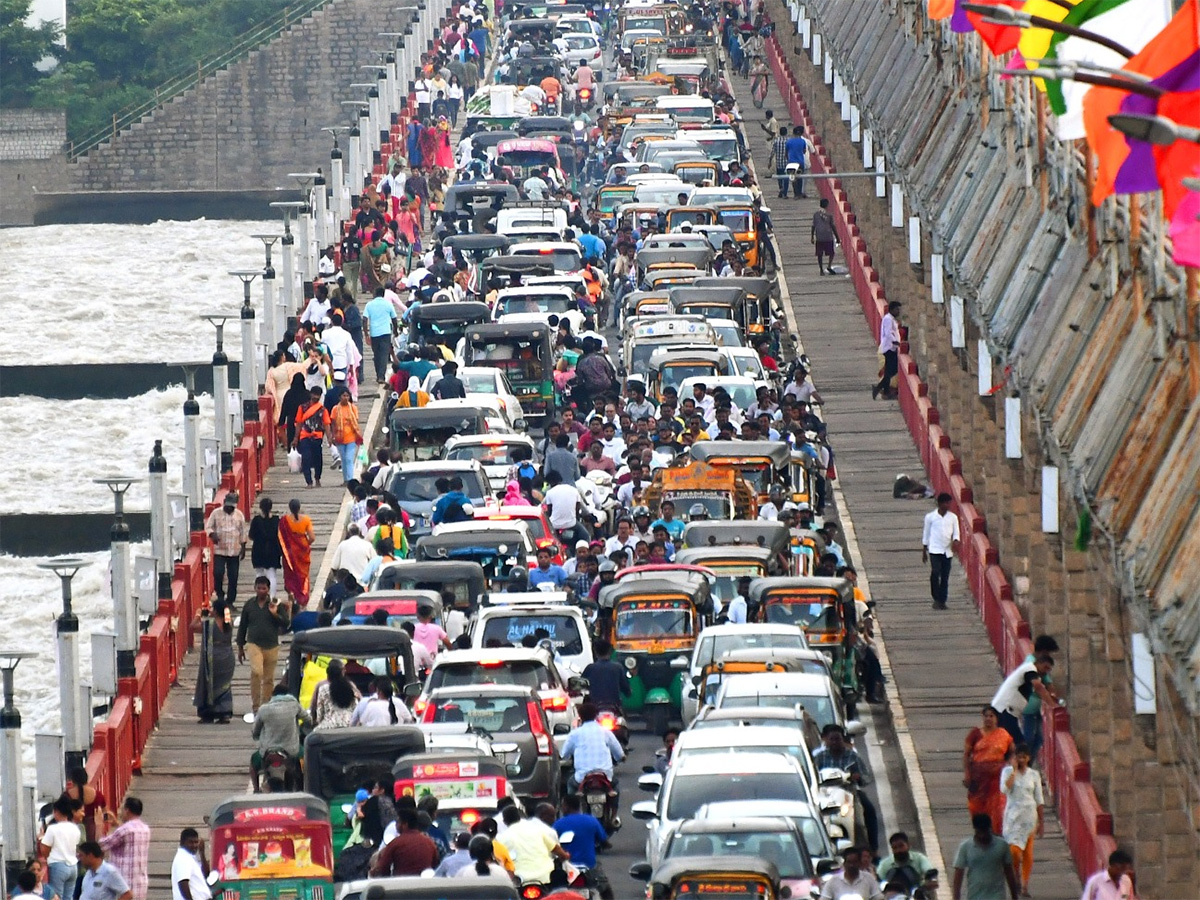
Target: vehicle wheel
658	718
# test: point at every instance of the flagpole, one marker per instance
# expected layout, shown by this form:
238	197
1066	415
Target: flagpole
1006	15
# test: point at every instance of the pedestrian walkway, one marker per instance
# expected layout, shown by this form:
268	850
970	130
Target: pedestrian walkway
188	768
943	667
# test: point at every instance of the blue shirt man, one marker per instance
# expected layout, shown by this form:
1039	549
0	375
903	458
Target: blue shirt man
379	313
453	506
587	830
591	747
547	573
797	148
593	247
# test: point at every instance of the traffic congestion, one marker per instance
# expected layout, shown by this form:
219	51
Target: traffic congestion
592	633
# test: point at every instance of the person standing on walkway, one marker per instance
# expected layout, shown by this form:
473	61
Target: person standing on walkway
889	349
939	543
312	424
797	154
984	753
128	846
824	237
346	434
296	537
1023	819
380	314
986	863
101	880
266	556
226	527
189	868
263	618
57	847
1114	881
214	681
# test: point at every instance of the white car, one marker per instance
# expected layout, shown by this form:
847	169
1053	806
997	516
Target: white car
414	485
711	778
538	303
565	256
510	622
816	838
717	640
744	361
742	390
493	451
577	48
483	381
816	693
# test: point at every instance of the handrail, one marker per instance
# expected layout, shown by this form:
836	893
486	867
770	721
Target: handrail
177	85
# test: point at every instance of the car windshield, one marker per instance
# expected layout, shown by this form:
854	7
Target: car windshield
729	334
563	259
673	374
421	487
813	615
495	715
653	619
478	383
759	479
745	364
536	303
781	847
485	454
728	576
562	631
720	148
527	673
581	43
737	220
716	647
820	707
690	792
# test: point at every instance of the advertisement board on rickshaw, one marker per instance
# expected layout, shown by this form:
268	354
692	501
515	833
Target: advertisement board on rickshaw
474	780
721	491
274	847
761	463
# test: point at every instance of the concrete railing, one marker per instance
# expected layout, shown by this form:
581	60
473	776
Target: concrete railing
1087	826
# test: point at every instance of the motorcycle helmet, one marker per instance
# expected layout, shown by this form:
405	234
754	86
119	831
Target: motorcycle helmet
639	511
518	580
607	565
698	511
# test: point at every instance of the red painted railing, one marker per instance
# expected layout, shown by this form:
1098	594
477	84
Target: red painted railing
1087	826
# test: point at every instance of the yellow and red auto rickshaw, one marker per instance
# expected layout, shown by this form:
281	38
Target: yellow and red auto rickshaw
721	491
272	847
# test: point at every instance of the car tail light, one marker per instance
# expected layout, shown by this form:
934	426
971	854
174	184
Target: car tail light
490	663
419	708
607	720
429	712
532	892
555	702
469	817
538	726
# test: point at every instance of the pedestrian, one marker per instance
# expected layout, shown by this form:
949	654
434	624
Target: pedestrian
1025	681
127	846
189	868
939	543
266	556
263	618
411	852
797	155
58	846
312	424
296	537
1023	812
91	798
1114	881
29	885
889	349
346	434
984	753
101	880
1031	715
381	315
214	682
226	528
823	236
985	861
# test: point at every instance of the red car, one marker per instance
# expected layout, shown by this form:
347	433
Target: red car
535	517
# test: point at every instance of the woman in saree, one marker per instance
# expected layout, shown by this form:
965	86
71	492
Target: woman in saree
984	752
375	256
278	381
296	537
214	684
444	158
429	145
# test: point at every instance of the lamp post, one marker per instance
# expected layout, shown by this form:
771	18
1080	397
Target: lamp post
271	330
220	366
383	93
1154	129
308	264
193	468
160	522
288	208
1015	18
354	166
16	838
125	614
248	378
340	197
67	628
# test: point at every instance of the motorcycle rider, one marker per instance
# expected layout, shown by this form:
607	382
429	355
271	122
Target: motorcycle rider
532	845
587	834
277	728
837	754
606	574
904	864
607	681
591	747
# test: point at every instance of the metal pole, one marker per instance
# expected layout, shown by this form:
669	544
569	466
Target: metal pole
248	376
289	208
354	164
12	816
271	334
366	143
220	365
160	522
71	710
125	615
193	468
321	214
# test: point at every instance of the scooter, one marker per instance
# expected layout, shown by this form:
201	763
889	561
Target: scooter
657	711
281	765
612	719
601	799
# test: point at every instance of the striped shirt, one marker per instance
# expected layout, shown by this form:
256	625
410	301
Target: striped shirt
128	848
230	529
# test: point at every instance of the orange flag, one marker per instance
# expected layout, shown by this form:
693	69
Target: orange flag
1169	48
941	9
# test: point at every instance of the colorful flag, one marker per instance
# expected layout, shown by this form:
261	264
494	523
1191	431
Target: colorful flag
1000	39
940	9
1034	43
1185	231
1170	47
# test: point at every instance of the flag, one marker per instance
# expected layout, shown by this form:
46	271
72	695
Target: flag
1139	171
1185	231
941	9
1000	39
1132	23
1170	47
1181	159
1034	42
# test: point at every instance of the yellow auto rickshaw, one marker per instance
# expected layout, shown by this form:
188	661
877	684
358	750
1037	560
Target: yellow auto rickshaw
698	171
707	877
739	218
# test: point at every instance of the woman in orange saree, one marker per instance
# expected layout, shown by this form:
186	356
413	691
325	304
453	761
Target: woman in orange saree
984	752
296	537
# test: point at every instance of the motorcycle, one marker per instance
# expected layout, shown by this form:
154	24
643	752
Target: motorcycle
612	719
281	765
601	799
848	817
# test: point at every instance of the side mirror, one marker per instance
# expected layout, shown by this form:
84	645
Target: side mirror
521	425
577	684
412	690
640	871
696	680
650	782
561	728
680	663
826	867
644	810
854	728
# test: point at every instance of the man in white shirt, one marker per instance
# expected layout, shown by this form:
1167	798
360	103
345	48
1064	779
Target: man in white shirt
535	187
889	348
939	543
394	181
1017	689
562	502
340	344
353	554
189	869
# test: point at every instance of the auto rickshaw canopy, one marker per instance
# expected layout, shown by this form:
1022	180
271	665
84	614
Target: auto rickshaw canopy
338	761
349	642
689	876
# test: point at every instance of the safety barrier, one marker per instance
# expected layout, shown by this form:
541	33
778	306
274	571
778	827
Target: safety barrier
119	741
1087	826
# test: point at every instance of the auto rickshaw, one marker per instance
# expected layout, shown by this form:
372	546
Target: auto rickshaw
475	248
375	649
775	537
272	846
662	279
697	171
504	267
755	314
338	761
465	580
657	257
647	303
527	156
669	366
732	878
523	352
496	547
740	219
444	324
711	303
730	564
472	204
421	432
468	786
610	198
400	606
723	494
657	611
762	463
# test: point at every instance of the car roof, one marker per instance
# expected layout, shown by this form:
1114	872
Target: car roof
749	713
752	735
735	809
473	525
441	465
492	437
713	824
503	654
476	690
759	628
750	762
807	682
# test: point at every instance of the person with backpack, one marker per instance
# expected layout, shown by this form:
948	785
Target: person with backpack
454	505
312	424
594	375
